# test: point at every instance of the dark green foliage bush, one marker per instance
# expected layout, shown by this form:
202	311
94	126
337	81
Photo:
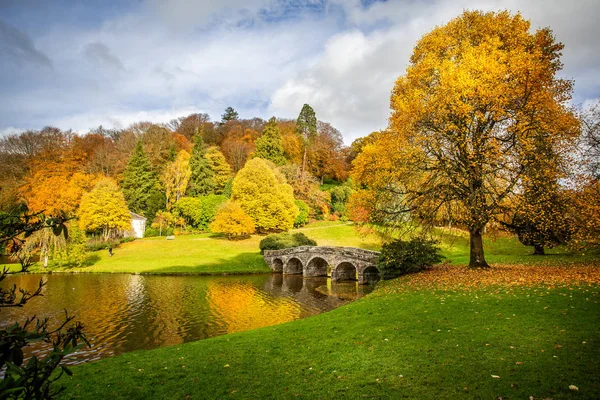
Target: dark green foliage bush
153	232
404	257
97	243
302	218
285	240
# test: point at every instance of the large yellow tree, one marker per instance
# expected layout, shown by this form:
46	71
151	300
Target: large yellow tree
263	193
104	209
467	116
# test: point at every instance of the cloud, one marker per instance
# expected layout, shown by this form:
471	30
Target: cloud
99	53
350	84
156	58
19	47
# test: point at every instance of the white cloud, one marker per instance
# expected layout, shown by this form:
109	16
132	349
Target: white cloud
349	86
165	59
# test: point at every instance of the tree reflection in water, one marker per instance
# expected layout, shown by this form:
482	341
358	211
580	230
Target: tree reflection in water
124	312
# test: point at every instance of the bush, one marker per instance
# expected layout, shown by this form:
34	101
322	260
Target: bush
400	257
97	243
285	240
302	218
150	232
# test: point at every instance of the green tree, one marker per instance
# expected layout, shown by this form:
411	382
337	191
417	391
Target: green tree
306	128
220	168
265	196
199	212
202	176
229	115
269	145
104	209
141	185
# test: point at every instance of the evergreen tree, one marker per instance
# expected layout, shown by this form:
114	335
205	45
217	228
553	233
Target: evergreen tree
202	177
270	145
306	128
141	185
220	167
229	115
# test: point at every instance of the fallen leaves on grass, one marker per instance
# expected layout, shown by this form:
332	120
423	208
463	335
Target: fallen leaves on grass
452	277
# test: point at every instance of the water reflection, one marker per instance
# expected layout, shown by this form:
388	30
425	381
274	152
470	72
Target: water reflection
123	313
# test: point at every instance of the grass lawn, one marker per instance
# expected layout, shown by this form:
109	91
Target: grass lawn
209	254
510	332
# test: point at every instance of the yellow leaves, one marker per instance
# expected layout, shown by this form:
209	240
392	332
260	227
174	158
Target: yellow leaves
176	177
448	277
104	208
263	194
232	221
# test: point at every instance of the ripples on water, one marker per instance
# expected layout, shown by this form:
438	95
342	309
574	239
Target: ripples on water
123	313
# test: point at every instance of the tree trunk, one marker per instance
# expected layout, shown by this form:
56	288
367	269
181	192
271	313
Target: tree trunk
304	159
538	250
477	259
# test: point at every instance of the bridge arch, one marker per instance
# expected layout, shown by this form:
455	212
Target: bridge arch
293	267
349	263
371	274
345	271
277	265
317	266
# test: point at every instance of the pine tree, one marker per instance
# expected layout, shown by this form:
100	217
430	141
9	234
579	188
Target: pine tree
269	145
141	185
229	115
306	128
202	178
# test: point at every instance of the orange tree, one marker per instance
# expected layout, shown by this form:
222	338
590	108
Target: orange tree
465	123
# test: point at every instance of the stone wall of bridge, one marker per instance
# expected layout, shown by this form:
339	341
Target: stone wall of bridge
341	263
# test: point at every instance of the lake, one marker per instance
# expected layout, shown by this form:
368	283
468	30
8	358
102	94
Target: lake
123	312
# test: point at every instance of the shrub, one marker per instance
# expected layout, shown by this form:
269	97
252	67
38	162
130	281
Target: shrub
403	257
97	243
302	218
285	240
150	232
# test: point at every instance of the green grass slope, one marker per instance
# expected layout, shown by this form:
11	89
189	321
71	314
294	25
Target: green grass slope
405	340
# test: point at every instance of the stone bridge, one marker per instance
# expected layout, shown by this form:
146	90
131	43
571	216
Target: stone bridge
343	263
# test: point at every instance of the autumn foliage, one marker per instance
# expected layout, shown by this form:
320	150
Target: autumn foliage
104	209
232	221
265	196
467	119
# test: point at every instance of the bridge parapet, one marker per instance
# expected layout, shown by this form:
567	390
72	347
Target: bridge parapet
342	263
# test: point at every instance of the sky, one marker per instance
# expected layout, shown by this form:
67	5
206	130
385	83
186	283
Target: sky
80	64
